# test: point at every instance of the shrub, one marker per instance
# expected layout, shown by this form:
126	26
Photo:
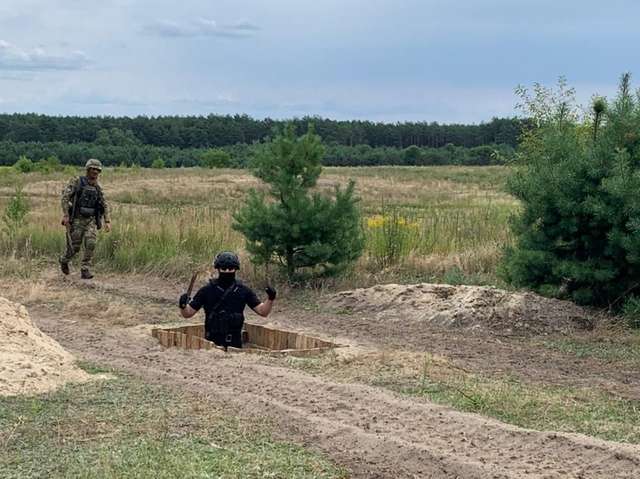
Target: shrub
631	311
215	158
158	163
48	165
578	181
24	165
15	211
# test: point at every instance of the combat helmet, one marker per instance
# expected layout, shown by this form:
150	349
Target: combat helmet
226	260
93	163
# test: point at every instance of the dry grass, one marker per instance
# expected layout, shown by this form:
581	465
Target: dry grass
169	221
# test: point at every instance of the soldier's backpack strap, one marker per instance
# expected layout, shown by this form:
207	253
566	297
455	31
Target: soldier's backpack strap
81	182
225	322
226	293
100	195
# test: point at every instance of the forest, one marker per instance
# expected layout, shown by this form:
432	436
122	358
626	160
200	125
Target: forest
175	141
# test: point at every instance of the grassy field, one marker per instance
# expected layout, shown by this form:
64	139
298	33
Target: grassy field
445	224
428	223
535	406
124	428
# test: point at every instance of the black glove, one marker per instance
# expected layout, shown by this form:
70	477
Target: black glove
184	300
271	293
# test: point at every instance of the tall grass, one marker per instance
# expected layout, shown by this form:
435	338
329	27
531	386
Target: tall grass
431	222
170	242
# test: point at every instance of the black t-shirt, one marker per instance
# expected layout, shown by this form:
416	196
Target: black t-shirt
209	295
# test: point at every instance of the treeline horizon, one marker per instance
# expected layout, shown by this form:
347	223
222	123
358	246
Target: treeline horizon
185	132
240	155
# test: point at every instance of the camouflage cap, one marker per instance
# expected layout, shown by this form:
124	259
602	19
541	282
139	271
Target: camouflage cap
93	163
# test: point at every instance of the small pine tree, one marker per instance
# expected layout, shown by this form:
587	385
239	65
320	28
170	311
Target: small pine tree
578	234
15	212
297	228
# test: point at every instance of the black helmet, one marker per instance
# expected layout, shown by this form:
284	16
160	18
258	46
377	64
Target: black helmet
226	260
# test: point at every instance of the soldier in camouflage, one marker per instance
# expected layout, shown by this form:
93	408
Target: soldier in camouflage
84	209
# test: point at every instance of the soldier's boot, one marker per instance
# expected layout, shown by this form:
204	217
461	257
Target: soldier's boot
85	273
64	267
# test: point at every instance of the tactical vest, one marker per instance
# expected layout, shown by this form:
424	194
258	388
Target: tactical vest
220	320
88	199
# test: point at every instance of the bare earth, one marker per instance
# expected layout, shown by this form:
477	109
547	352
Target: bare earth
30	361
371	431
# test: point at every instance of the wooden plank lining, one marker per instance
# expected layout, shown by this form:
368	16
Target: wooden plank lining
257	338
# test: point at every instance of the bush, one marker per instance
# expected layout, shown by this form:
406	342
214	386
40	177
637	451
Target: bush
578	180
24	165
631	311
15	212
158	163
49	165
215	158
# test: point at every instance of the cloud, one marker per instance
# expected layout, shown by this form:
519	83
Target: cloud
13	58
167	28
221	100
99	99
201	27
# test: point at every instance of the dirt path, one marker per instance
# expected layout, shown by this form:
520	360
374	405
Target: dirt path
372	431
487	354
375	433
480	353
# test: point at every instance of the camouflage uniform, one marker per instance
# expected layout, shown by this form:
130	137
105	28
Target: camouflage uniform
82	228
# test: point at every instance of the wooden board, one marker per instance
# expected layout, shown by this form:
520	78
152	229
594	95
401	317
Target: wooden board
258	339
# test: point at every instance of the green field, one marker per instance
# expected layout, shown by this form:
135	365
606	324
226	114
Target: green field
123	428
421	223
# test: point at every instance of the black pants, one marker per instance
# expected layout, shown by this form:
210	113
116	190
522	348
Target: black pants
233	339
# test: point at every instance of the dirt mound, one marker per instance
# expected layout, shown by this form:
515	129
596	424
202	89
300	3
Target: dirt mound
30	361
465	307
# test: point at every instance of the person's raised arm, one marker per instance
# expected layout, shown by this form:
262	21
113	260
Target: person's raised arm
263	309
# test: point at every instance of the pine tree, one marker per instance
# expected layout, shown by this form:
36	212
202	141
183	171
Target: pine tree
578	233
292	225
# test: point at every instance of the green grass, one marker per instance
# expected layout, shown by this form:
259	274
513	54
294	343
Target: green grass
624	349
538	407
123	428
534	406
485	176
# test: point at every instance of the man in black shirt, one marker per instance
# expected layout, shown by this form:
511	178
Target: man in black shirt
224	300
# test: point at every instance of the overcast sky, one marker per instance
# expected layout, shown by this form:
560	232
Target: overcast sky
383	60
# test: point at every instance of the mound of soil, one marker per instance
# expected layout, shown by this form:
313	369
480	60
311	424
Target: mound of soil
30	361
465	307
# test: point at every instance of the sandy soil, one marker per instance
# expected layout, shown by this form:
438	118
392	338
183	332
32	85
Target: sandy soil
465	307
372	431
30	361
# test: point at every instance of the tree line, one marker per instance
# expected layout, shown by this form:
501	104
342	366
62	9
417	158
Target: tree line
186	132
240	155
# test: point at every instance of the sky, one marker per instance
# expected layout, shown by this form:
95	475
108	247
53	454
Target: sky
380	60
